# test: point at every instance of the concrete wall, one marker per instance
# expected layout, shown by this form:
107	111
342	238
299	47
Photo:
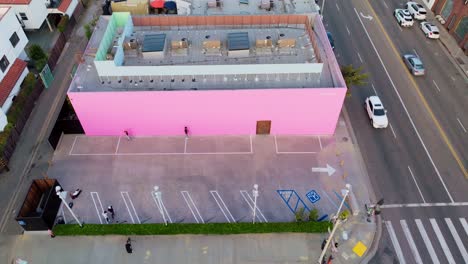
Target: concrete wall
211	112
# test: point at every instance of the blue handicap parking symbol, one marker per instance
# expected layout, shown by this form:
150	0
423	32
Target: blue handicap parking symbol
313	196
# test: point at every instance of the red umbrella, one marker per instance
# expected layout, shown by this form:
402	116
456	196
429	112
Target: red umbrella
157	3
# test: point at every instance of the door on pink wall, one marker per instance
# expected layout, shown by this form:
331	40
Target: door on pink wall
263	127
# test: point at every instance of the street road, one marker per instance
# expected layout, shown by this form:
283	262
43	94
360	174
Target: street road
421	158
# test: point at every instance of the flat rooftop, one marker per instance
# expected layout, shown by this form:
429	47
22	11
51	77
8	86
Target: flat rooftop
252	7
186	62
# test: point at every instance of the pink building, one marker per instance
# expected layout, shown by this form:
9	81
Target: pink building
237	74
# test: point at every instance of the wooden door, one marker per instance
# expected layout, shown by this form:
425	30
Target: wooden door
263	127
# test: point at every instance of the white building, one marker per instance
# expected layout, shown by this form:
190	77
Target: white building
33	13
13	68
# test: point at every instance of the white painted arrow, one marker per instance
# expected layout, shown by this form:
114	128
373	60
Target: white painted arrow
366	17
329	169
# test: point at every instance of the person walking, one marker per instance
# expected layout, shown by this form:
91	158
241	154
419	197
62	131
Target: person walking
128	246
186	131
110	209
51	233
127	135
104	214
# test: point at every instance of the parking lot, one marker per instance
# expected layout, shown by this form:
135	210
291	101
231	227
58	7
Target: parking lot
201	179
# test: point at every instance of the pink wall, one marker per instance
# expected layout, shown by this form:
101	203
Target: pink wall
210	112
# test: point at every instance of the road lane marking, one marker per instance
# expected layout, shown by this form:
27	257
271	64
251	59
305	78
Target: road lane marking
457	238
163	210
95	205
185	145
73	145
337	7
191	204
250	202
424	205
395	243
423	99
386	6
464	129
437	86
131	204
359	55
417	55
251	144
427	241
373	88
442	241
347	29
414	179
411	242
464	224
403	104
118	144
223	208
393	131
320	142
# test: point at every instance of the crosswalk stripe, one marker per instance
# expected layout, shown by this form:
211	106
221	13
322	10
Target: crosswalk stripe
427	241
410	240
464	224
457	239
395	243
442	242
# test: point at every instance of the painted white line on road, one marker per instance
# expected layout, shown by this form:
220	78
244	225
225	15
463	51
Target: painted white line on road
276	145
457	238
95	205
417	55
191	204
427	241
373	88
442	241
393	131
73	145
128	209
464	224
437	86
223	208
63	213
411	242
251	144
464	129
453	78
347	29
337	7
359	55
185	145
320	142
162	210
160	153
395	243
386	6
250	202
404	107
412	205
118	144
322	8
131	203
415	182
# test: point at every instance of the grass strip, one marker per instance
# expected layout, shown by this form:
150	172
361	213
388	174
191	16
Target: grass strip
201	229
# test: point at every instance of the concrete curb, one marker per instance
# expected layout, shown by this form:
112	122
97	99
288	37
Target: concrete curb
375	242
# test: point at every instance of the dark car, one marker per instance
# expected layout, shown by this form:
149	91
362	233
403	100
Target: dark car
330	38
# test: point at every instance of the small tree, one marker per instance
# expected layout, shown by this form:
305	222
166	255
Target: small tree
62	25
313	215
299	214
37	54
353	76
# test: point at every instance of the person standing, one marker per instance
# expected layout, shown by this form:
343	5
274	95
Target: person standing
128	246
51	233
186	131
104	214
127	135
110	209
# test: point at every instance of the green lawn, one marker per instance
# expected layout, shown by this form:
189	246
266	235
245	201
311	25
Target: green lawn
205	229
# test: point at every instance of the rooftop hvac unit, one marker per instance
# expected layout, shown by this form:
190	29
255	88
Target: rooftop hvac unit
266	4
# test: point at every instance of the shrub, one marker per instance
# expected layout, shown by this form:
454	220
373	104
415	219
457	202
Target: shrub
313	215
37	54
62	25
300	215
344	215
88	31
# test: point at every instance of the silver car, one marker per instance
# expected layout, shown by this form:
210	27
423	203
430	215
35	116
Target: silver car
414	64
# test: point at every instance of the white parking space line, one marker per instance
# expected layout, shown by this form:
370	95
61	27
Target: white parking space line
411	242
395	243
125	194
118	144
250	202
427	241
63	213
359	55
347	29
464	224
442	242
128	209
437	86
457	238
373	88
337	7
404	107
191	205
393	131
386	6
463	127
320	142
417	186
291	152
95	194
251	144
185	145
73	146
424	205
223	208
163	209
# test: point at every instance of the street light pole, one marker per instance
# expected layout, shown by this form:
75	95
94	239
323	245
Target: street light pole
255	195
63	195
157	193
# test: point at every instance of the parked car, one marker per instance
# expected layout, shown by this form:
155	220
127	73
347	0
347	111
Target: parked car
430	30
376	112
330	38
403	17
414	64
416	10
